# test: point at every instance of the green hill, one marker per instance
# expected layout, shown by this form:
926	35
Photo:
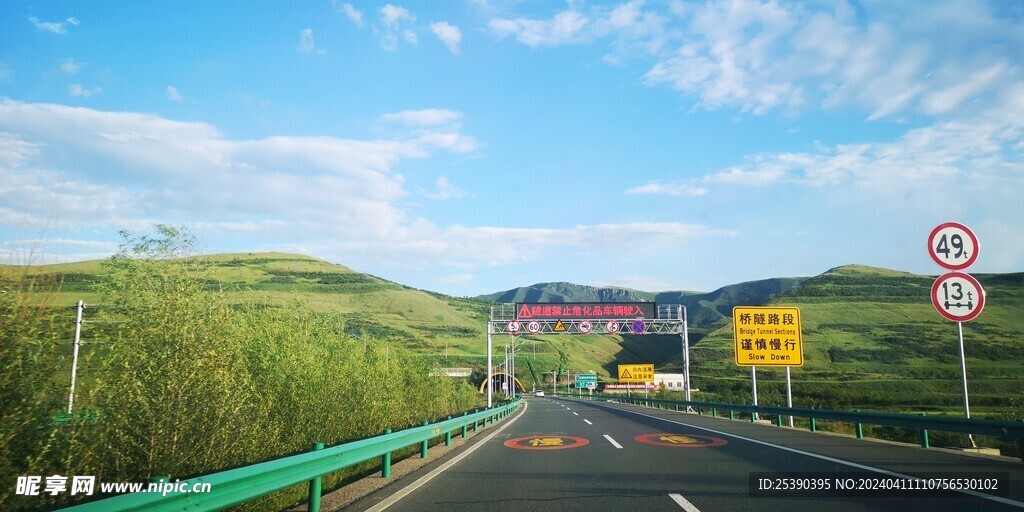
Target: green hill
871	337
567	292
873	340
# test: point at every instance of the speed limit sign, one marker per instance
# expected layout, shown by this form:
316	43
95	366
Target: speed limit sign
953	246
958	296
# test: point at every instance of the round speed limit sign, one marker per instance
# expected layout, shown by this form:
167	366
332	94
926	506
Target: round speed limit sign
958	296
953	246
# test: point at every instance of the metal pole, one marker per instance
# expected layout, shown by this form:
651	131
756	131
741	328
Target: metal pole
789	395
74	359
686	357
490	370
963	375
554	382
513	367
753	383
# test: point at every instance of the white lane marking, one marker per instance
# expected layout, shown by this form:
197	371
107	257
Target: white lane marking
681	501
391	500
819	456
587	422
612	441
576	413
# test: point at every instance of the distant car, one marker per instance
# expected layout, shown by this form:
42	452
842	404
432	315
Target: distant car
539	393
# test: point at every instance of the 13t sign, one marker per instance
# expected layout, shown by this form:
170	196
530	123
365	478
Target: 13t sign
958	296
953	246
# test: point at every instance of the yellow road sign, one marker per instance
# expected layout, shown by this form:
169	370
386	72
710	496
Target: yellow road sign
767	336
636	373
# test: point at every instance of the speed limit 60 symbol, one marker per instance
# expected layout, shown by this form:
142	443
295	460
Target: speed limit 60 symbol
953	246
958	296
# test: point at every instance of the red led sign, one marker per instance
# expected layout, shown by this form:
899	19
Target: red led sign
583	310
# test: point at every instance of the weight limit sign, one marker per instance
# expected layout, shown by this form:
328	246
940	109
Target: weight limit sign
958	296
953	246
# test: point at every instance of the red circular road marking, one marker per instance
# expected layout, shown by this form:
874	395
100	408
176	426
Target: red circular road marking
681	440
542	442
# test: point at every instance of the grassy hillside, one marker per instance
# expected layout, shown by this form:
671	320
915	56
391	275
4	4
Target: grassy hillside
873	340
567	292
871	336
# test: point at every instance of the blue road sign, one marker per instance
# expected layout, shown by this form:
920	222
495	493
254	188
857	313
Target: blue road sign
639	327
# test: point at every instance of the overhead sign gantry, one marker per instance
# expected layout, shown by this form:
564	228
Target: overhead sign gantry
541	318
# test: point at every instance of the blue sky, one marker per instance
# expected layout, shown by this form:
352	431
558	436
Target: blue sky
471	147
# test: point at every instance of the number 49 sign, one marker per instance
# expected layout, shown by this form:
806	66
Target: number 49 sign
953	246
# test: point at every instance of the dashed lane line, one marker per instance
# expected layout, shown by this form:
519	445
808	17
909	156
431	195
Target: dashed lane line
681	501
612	441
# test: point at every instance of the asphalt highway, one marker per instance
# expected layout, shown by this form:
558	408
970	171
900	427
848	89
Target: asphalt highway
563	454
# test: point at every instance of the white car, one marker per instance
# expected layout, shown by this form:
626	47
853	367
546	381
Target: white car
539	393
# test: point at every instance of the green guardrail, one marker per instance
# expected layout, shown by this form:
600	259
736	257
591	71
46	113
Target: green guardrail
238	485
922	423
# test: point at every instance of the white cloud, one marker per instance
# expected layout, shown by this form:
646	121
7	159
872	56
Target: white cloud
99	170
392	20
307	44
81	91
69	66
449	34
56	27
423	118
565	27
391	14
757	56
445	190
353	14
675	189
173	94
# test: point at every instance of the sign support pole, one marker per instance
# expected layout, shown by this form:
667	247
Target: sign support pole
78	342
789	395
490	370
686	359
753	383
963	375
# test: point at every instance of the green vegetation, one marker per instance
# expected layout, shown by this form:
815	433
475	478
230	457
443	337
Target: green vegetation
872	340
192	382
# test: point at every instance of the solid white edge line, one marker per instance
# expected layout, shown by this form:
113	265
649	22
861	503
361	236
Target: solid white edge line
405	491
612	441
681	501
999	499
587	422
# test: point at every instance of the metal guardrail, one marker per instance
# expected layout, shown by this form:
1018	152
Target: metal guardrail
243	484
922	423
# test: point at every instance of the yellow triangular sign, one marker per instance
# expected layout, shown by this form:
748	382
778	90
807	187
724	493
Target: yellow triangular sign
625	375
559	326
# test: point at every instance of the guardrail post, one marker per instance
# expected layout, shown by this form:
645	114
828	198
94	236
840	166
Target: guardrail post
475	421
778	421
714	412
814	423
732	415
700	411
464	427
448	436
385	460
860	428
753	417
924	436
424	444
314	486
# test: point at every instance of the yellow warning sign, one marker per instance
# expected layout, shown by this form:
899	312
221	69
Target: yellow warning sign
559	327
636	373
767	336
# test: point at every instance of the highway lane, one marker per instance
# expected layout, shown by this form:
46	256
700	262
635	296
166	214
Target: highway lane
588	456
